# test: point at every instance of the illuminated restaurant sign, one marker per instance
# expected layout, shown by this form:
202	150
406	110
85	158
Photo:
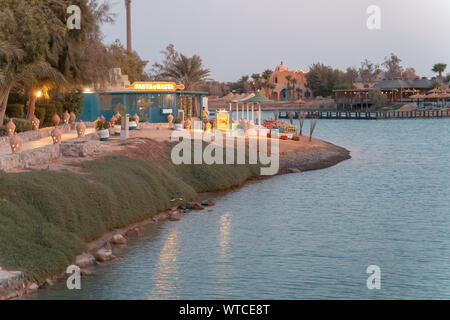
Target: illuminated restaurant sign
155	86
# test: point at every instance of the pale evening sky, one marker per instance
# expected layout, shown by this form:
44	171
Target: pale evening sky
239	37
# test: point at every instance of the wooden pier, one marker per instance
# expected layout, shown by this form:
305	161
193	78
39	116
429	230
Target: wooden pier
367	115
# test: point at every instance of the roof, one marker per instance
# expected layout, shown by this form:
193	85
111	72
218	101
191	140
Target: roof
259	97
423	83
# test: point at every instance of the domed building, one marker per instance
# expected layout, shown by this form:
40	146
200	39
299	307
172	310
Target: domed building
289	84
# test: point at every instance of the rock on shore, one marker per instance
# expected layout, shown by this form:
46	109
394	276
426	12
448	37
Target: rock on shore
12	284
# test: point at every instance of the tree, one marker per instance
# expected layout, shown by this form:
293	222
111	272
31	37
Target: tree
322	79
266	84
368	71
256	83
392	64
79	55
409	73
350	75
170	57
447	78
188	71
24	32
439	68
130	63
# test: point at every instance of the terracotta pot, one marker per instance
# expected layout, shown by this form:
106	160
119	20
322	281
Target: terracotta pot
56	120
56	136
16	143
72	117
81	129
10	128
35	124
66	117
136	118
113	120
170	118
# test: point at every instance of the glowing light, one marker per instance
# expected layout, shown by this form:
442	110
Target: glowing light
39	94
87	90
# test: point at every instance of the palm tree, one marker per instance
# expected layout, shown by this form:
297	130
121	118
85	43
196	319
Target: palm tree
188	71
294	82
10	59
439	68
256	81
267	85
289	78
128	8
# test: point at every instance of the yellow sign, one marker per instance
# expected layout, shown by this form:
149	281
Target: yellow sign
223	120
155	86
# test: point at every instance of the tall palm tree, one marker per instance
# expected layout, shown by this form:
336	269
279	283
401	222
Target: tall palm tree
267	85
189	71
294	82
128	7
289	78
10	59
439	68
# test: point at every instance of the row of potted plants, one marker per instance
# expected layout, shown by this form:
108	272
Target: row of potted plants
102	126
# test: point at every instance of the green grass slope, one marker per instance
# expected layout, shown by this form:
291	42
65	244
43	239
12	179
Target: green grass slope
47	217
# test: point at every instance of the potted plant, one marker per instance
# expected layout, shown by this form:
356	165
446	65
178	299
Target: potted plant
117	124
132	123
102	127
178	124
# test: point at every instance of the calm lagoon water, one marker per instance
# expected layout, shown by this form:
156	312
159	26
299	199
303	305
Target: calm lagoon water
310	235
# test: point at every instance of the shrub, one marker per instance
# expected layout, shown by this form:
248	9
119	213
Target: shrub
72	101
101	124
51	107
40	114
14	110
178	120
22	125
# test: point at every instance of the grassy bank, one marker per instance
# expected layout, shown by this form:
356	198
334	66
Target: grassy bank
46	217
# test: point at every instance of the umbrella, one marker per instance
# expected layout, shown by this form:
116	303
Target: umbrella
258	97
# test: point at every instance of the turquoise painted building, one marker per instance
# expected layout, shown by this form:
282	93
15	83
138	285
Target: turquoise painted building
150	106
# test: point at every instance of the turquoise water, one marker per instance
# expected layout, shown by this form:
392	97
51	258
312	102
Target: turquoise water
310	235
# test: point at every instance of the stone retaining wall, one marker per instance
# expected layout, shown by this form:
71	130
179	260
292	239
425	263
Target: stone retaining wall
47	154
42	133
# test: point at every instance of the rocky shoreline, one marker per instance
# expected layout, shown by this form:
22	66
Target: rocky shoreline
317	155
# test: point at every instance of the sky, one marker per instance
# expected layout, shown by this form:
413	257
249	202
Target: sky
241	37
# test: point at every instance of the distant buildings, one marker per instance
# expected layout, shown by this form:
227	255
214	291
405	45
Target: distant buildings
395	90
289	84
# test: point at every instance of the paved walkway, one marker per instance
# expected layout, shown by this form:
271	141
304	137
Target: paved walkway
5	149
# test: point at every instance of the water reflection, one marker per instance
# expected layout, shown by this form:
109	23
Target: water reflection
165	278
224	240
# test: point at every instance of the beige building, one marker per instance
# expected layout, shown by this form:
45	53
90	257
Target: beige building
294	89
